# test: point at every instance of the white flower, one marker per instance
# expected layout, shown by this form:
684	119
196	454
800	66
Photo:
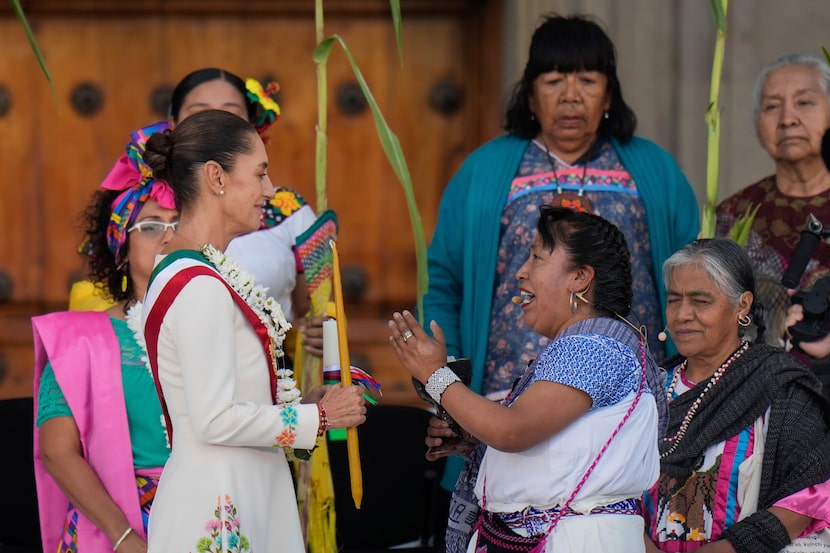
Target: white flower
267	309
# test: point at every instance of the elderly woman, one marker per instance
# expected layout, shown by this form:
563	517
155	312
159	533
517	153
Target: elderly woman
570	141
792	111
747	454
570	450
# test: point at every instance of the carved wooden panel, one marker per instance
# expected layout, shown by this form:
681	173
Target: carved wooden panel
54	154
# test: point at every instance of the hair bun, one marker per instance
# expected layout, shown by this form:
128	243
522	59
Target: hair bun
157	153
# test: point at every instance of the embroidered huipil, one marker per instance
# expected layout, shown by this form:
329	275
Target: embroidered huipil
613	193
683	516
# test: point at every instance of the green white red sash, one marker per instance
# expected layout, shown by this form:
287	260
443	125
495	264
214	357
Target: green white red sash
169	277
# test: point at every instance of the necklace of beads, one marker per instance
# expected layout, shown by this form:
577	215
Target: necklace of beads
573	200
267	309
687	419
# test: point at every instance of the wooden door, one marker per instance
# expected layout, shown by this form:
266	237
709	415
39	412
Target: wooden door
113	64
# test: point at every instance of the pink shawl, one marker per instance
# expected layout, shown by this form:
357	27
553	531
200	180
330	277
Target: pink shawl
86	358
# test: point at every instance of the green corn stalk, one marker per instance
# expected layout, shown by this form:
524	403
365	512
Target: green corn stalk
18	11
743	225
389	141
707	227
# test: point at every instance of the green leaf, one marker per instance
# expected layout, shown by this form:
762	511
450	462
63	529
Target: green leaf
719	14
743	226
323	50
394	153
32	42
395	6
826	54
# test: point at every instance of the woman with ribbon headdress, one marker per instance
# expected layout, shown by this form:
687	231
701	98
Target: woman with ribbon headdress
268	254
99	438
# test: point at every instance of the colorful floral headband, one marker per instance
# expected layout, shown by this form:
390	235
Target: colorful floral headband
268	111
135	178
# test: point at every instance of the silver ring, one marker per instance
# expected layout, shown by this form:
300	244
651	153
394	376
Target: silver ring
407	335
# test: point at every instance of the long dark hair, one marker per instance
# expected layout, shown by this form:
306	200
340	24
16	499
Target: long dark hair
570	44
592	241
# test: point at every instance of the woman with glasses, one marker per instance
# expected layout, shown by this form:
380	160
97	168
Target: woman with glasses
99	439
268	254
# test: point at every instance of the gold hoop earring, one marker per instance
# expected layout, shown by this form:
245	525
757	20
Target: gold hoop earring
572	303
744	320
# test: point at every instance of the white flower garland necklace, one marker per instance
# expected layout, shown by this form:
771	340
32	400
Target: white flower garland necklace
267	309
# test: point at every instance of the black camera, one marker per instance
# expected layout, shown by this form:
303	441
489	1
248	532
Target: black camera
816	302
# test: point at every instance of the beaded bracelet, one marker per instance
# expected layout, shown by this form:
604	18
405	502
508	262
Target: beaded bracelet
439	381
123	537
324	420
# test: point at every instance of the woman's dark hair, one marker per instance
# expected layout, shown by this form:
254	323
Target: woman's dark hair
102	266
592	241
201	76
728	265
210	135
567	45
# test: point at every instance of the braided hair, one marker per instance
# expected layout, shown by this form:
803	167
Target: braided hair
592	241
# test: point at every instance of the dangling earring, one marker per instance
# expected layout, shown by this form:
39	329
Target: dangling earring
533	117
745	320
124	283
605	116
572	303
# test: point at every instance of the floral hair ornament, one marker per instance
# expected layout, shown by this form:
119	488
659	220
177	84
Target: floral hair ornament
267	110
135	178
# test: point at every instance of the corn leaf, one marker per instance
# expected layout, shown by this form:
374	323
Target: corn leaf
18	10
394	153
743	226
395	6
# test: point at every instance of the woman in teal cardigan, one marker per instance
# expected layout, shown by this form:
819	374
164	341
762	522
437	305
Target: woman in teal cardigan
570	141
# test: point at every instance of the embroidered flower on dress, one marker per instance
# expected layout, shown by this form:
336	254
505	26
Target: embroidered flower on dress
223	529
270	313
285	201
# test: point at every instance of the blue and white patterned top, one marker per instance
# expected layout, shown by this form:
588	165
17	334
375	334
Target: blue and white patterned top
603	368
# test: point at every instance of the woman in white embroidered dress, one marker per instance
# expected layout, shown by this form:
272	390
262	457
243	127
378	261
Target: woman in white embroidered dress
571	449
214	341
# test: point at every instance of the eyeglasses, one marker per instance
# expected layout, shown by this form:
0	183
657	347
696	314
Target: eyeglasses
153	229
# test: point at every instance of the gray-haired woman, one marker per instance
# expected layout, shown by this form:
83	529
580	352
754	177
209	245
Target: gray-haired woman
746	459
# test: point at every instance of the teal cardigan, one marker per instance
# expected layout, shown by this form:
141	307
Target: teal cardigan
463	251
